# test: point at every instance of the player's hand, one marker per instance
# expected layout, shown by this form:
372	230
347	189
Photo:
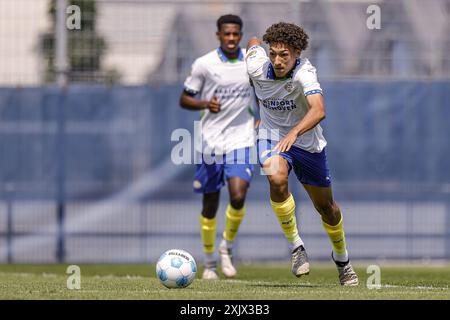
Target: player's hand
286	143
214	105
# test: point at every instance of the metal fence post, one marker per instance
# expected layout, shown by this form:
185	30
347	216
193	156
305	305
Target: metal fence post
409	231
61	60
9	223
61	66
61	178
447	231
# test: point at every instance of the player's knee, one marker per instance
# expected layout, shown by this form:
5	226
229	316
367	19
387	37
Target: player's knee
275	166
237	200
209	212
278	182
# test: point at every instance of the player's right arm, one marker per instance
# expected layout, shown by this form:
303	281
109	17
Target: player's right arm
255	58
192	86
254	41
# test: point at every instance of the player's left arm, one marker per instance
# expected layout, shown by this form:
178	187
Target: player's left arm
313	117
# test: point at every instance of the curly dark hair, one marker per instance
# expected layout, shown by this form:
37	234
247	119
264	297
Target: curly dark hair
287	33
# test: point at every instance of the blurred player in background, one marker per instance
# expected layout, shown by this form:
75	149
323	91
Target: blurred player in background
291	102
220	80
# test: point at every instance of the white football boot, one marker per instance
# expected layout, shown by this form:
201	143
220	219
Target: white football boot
226	260
347	276
300	262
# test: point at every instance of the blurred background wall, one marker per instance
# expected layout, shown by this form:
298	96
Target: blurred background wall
85	134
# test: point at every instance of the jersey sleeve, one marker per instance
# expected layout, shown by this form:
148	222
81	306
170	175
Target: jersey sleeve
308	79
254	107
194	82
255	58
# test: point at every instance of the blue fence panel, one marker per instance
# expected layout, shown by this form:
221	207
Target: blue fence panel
97	160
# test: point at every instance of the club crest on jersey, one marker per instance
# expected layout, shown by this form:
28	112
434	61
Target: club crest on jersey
289	87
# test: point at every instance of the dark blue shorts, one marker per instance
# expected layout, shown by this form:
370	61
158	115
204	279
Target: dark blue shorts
310	168
211	174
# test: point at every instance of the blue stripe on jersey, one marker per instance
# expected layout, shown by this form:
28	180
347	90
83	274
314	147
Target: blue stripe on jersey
224	58
310	92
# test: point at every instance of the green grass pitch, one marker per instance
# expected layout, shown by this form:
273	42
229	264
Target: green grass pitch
256	281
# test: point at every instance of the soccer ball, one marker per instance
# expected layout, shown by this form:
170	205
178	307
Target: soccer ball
176	268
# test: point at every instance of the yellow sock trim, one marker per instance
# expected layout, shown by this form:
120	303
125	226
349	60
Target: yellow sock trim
336	235
285	212
233	219
208	233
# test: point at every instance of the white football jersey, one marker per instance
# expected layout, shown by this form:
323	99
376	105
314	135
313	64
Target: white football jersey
282	103
233	126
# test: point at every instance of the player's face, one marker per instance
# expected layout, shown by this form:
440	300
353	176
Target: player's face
283	58
229	36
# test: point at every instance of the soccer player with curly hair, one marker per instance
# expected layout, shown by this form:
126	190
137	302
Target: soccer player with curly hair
292	105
